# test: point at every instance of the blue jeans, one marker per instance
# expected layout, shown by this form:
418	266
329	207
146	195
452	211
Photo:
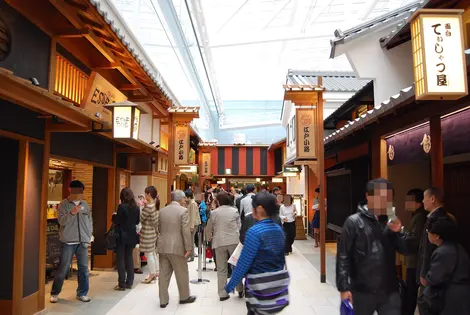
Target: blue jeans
65	260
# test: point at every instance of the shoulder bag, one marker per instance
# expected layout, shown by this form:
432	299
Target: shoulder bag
267	293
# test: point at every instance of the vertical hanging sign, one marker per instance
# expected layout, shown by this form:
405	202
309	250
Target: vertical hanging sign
306	146
181	145
438	54
206	164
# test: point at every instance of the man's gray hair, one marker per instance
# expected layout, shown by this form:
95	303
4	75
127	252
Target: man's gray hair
177	195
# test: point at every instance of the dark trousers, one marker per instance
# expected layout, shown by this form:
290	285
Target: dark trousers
125	265
411	293
289	229
384	304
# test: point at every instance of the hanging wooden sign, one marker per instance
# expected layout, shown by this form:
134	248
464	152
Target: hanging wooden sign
181	145
440	68
206	164
306	133
100	92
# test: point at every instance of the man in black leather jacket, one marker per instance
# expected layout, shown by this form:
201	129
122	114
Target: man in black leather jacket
365	262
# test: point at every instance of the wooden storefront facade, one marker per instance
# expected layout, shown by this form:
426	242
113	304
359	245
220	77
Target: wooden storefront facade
53	53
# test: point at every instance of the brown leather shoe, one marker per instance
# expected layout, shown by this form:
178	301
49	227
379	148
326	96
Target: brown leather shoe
189	300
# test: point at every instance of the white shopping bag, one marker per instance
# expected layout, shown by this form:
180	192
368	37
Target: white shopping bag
233	260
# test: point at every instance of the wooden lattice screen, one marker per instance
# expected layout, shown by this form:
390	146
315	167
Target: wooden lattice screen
70	82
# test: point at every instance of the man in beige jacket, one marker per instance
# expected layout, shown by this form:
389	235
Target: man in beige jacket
174	248
194	219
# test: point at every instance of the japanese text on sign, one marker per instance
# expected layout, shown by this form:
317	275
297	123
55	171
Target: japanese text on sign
439	50
442	47
181	145
306	133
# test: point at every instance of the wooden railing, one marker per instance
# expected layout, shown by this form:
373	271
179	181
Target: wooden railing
70	82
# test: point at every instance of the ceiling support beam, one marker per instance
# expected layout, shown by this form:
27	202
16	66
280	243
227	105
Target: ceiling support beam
171	17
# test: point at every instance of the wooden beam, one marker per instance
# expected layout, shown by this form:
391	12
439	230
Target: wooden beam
171	157
128	87
128	150
77	5
71	33
140	98
160	108
437	157
18	256
68	128
379	157
43	219
16	136
52	64
129	76
102	48
66	11
19	91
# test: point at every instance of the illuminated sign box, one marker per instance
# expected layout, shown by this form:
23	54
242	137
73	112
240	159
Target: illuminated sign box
126	119
438	54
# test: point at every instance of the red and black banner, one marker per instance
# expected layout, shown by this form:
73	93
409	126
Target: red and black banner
243	161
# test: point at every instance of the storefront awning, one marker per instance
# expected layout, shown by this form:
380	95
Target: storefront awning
407	94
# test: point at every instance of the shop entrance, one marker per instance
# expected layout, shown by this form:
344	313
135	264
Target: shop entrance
61	172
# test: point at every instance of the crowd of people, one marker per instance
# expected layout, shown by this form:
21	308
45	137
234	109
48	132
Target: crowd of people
438	268
262	224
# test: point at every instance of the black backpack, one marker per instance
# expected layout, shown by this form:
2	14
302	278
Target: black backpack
111	238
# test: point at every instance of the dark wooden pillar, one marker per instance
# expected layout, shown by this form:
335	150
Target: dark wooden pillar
437	158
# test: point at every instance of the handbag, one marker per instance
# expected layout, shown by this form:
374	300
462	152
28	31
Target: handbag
346	308
267	293
111	238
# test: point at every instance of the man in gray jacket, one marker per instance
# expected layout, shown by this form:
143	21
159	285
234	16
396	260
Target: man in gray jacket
76	229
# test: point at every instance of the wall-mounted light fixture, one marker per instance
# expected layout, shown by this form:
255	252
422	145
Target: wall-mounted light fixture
126	119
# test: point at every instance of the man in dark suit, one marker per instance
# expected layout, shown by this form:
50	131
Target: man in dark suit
414	204
433	203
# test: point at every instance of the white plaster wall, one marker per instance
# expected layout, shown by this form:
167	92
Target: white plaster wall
145	129
156	131
391	70
288	113
296	185
138	184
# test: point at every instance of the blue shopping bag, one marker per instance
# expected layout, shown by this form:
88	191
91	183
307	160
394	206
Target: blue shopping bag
346	308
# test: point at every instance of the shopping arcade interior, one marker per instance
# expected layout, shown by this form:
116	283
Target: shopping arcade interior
126	172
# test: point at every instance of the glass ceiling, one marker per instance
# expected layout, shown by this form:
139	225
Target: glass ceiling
231	56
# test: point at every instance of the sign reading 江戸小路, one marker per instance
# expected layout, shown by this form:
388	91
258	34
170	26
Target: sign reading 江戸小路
181	139
306	133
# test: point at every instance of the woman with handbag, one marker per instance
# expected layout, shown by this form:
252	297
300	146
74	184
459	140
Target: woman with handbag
149	233
262	261
448	289
125	219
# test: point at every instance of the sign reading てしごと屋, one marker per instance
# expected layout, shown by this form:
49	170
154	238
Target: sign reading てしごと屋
438	54
181	145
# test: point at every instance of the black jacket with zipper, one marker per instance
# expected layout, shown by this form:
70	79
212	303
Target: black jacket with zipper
365	259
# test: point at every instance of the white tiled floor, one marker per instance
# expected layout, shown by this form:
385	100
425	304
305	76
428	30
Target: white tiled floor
308	295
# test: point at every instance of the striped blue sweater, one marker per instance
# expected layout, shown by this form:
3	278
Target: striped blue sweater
263	252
